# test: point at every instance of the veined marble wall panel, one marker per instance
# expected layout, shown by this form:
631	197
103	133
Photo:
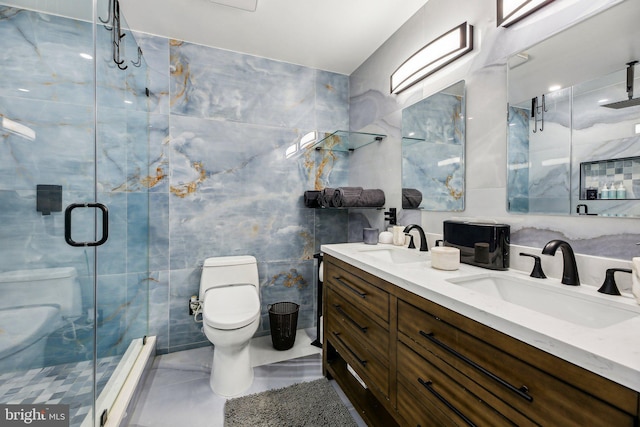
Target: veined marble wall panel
220	84
61	152
156	56
32	240
221	184
332	101
40	57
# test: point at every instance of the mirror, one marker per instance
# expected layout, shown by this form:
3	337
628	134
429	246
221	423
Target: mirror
433	137
564	145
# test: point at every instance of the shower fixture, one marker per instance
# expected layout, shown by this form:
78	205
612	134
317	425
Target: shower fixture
631	102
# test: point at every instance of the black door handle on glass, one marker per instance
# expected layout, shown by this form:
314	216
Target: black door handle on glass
67	224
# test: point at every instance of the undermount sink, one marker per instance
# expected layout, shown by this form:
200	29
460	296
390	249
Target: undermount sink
560	301
396	255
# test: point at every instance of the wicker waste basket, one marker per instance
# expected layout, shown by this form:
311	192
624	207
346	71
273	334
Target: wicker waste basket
283	320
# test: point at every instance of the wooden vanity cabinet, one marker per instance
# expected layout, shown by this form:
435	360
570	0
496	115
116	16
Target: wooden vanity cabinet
426	365
356	314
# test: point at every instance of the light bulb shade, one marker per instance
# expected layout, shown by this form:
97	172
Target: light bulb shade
511	11
435	55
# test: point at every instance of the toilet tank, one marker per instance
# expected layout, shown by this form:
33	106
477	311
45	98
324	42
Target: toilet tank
42	286
230	270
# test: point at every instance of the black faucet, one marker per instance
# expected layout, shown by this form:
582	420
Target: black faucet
609	286
569	269
423	238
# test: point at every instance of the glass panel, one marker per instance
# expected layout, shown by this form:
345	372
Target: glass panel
539	154
66	141
122	159
47	140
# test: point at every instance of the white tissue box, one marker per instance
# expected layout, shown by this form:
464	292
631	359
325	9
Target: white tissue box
445	258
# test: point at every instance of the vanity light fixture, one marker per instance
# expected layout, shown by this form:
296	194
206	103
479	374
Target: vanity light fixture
442	51
512	11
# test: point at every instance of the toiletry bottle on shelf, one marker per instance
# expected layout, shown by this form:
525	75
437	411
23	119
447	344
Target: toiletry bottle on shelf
621	192
604	192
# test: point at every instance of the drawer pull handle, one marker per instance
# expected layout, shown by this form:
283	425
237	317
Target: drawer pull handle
346	316
351	288
362	362
522	391
427	385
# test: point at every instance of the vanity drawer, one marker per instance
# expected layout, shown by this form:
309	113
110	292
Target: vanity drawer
373	371
358	290
534	393
369	334
420	380
416	412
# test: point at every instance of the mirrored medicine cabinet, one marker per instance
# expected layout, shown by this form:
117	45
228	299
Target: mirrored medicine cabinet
572	147
433	140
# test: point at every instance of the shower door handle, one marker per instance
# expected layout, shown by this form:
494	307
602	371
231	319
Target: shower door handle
67	223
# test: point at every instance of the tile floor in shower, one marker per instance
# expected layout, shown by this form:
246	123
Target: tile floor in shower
70	383
177	393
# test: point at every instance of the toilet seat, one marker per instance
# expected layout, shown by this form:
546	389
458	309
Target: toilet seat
231	307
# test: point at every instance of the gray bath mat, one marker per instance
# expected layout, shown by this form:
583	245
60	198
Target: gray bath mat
310	404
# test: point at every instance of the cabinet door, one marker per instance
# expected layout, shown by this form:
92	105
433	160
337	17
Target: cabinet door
539	396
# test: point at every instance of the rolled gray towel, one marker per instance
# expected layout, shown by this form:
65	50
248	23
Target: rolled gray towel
345	197
411	198
371	198
326	197
311	198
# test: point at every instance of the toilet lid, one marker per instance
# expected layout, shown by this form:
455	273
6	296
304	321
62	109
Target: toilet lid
231	307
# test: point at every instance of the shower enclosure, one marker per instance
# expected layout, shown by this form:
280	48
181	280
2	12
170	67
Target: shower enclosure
74	142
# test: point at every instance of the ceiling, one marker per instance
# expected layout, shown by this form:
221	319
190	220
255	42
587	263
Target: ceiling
331	35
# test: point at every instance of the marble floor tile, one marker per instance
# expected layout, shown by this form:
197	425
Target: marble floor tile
177	391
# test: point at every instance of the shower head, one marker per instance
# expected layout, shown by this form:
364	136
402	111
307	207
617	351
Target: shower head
623	104
631	102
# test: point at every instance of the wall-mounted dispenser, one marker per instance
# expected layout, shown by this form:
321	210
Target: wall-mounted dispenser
48	198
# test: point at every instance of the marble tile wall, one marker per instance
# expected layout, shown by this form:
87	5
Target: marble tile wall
221	184
373	109
210	156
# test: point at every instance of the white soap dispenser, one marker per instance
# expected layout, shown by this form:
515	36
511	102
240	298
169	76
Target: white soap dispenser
621	192
604	192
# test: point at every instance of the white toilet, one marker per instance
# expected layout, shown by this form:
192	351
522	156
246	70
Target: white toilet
230	303
34	304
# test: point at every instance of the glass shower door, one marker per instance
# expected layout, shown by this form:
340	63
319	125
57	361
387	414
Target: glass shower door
47	162
73	153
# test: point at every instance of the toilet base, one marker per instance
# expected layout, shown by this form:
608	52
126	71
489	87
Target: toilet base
231	371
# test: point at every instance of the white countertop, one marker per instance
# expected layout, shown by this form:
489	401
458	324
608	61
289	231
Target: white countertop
612	352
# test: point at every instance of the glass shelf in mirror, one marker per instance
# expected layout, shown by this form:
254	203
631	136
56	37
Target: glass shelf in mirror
345	141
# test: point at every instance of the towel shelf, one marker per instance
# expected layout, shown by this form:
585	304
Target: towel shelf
346	141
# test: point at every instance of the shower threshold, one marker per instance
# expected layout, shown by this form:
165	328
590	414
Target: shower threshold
120	390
